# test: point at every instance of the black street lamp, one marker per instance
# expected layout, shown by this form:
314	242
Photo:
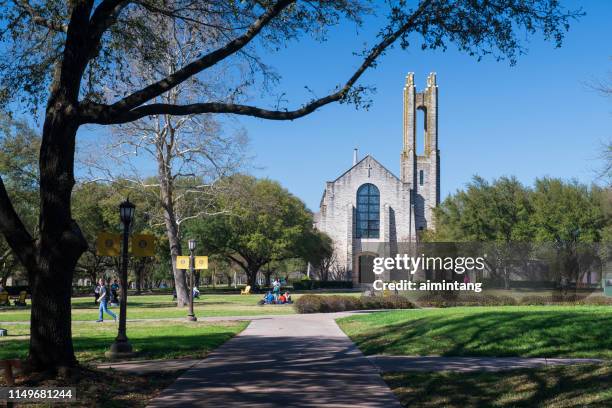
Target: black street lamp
192	246
121	346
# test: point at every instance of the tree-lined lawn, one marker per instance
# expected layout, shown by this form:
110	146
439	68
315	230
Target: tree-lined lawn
526	331
152	340
560	386
162	306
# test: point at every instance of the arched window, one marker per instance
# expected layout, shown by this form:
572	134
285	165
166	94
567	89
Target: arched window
368	211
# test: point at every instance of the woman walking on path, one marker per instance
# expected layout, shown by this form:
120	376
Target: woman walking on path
103	299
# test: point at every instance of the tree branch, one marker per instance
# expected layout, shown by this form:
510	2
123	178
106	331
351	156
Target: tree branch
193	68
104	114
40	20
15	232
104	16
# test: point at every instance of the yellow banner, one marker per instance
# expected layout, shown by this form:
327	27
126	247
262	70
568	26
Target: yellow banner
182	262
201	262
143	245
108	244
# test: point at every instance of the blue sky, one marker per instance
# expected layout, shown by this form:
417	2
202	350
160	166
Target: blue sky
537	118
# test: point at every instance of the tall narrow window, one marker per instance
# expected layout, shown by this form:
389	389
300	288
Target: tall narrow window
421	177
368	211
421	130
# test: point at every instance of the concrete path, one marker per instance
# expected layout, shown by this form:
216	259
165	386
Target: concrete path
284	361
384	364
466	364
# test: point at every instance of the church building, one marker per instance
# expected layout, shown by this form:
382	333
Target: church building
368	211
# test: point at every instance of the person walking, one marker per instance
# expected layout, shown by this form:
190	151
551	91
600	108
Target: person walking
103	299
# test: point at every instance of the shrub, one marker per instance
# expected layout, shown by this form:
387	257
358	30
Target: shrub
560	299
308	304
315	284
464	299
597	300
335	303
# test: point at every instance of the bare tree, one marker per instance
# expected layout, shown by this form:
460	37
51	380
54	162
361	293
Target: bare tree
191	152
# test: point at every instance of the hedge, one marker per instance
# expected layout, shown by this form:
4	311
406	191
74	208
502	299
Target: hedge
336	303
454	299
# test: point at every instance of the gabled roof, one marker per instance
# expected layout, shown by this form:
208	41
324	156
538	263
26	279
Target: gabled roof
359	162
351	168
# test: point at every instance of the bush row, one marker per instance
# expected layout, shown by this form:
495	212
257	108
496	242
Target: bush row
315	284
336	303
483	299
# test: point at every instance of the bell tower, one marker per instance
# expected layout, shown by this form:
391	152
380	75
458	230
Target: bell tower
421	172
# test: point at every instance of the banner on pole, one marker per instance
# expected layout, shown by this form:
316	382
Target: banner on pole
182	262
201	262
143	245
108	244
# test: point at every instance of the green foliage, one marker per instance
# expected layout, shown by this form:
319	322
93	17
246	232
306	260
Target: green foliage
19	147
507	211
263	222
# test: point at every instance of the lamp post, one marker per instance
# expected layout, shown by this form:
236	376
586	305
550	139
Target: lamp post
121	346
192	245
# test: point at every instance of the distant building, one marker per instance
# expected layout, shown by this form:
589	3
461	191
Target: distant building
368	210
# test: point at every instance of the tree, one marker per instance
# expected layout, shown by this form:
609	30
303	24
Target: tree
73	59
19	146
495	215
191	152
266	223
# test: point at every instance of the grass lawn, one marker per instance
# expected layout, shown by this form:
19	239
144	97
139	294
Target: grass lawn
162	306
527	331
560	386
153	340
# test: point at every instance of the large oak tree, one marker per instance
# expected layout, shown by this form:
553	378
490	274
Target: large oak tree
72	57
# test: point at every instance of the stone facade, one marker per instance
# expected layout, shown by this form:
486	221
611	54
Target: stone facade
405	204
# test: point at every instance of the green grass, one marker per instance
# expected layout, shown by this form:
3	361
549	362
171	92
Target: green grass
559	387
527	331
162	306
152	340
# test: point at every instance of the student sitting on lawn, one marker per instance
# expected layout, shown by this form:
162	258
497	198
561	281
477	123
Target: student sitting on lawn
268	299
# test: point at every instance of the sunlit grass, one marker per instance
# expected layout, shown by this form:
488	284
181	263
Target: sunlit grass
528	331
155	340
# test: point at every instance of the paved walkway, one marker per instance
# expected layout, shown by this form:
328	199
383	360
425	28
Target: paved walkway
284	361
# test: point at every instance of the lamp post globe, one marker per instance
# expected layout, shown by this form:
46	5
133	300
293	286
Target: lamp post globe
192	244
126	212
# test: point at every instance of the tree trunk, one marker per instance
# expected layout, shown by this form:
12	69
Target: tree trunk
172	228
268	274
60	245
252	277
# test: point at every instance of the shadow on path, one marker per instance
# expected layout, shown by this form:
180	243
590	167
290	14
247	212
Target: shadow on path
300	361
